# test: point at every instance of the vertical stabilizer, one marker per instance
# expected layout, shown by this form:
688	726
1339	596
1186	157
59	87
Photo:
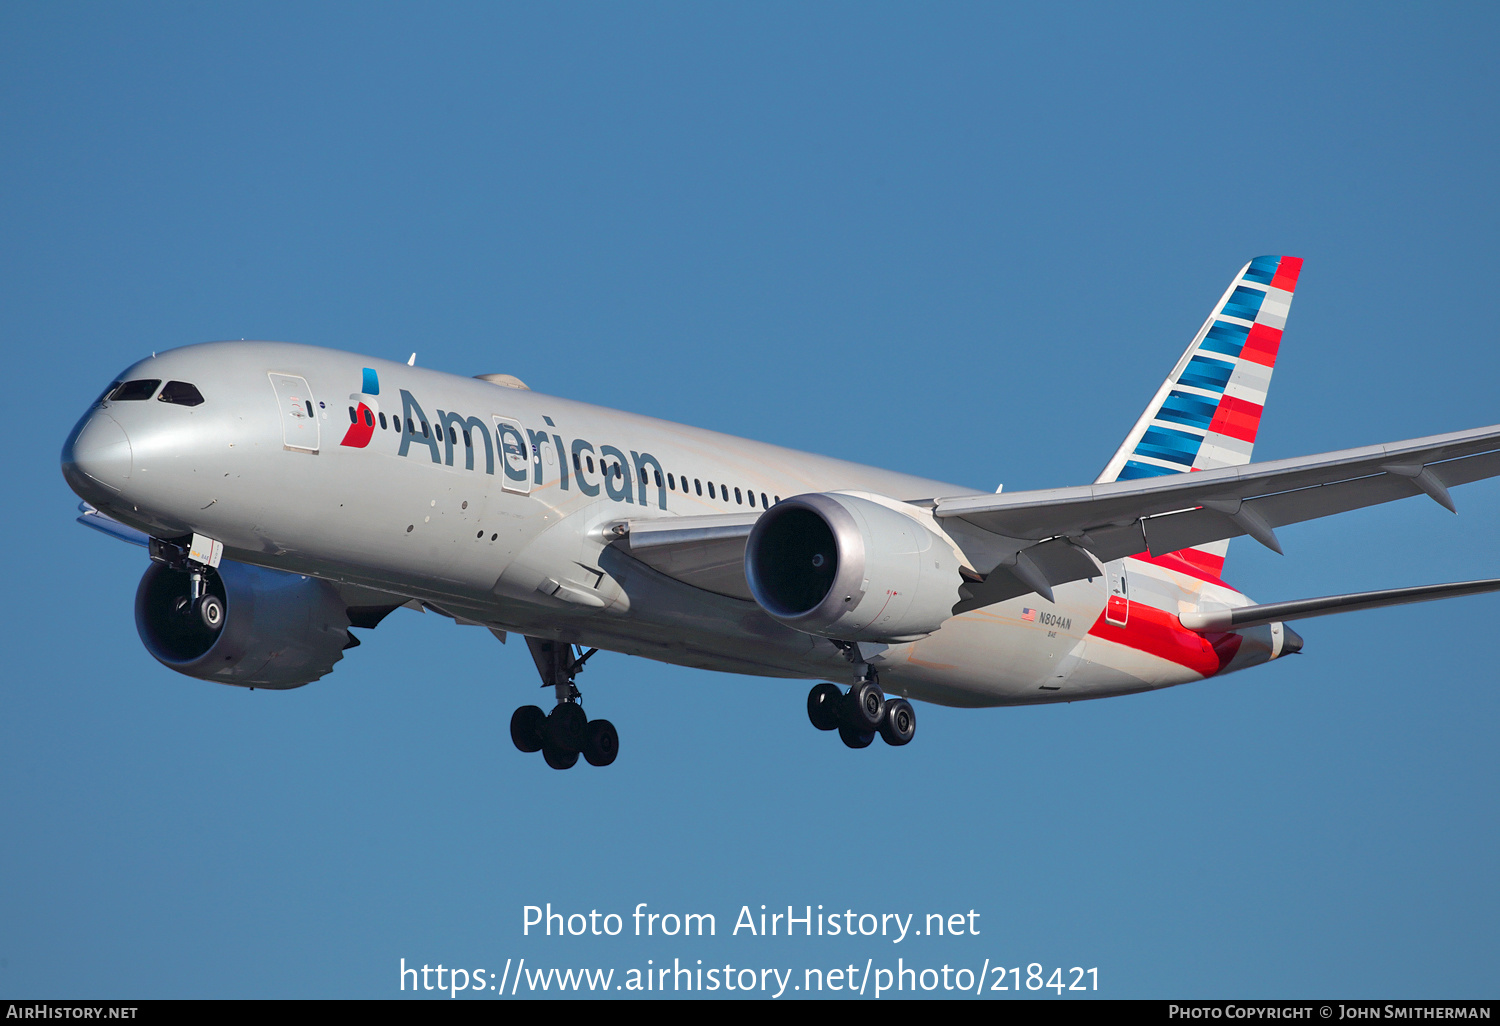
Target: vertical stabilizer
1206	414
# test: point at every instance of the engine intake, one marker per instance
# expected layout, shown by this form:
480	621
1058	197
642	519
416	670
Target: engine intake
279	630
846	567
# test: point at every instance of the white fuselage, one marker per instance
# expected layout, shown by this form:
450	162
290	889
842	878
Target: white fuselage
504	528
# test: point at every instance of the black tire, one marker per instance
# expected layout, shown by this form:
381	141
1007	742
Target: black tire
864	708
527	725
210	611
856	739
601	743
559	760
565	727
823	706
899	724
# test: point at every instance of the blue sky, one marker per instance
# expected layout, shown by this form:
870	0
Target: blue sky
964	241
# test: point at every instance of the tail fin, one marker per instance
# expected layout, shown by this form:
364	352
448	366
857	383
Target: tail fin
1207	412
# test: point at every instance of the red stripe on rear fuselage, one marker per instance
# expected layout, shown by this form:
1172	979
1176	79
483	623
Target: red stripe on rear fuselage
1159	633
1195	563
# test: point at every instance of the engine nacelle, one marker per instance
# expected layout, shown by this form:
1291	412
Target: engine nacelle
279	630
848	568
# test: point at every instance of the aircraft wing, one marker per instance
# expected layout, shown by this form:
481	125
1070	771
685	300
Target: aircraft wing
706	552
1164	514
88	516
1025	542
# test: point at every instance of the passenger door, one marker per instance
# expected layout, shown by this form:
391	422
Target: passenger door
515	456
299	414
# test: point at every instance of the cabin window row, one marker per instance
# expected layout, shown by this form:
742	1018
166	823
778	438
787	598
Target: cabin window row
680	484
673	482
412	428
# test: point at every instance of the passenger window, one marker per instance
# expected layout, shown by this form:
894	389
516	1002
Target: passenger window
134	391
576	467
468	441
353	417
382	422
698	486
591	463
452	435
737	500
671	482
657	475
425	432
711	494
763	503
775	499
369	420
180	393
411	428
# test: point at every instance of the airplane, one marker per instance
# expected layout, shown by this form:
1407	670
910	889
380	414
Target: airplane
288	494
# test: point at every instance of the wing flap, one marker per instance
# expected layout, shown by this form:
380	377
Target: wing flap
1033	569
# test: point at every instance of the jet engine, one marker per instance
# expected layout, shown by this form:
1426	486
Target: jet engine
271	629
849	568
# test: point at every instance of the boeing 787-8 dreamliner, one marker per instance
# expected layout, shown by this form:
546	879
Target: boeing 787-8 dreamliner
288	493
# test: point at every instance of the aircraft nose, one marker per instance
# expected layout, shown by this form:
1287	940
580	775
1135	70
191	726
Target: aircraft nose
97	454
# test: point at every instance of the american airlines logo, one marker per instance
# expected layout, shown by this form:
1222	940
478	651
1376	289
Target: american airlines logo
363	416
517	450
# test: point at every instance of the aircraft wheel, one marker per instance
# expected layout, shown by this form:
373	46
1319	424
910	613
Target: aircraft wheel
899	723
527	725
565	728
855	738
601	743
823	706
864	708
210	610
559	760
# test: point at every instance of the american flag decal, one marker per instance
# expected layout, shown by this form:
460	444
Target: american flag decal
1029	615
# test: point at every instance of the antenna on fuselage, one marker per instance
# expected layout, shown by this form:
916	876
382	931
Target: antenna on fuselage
413	361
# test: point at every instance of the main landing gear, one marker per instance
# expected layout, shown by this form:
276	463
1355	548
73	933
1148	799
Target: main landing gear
566	732
860	713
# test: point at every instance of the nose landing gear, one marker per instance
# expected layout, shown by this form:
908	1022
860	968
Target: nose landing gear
566	732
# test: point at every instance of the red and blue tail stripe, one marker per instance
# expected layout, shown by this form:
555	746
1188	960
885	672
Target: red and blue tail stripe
1207	413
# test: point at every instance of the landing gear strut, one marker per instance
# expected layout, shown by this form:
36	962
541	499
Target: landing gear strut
863	711
565	733
200	604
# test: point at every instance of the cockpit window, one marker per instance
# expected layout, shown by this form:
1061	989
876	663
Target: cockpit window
133	391
106	393
181	393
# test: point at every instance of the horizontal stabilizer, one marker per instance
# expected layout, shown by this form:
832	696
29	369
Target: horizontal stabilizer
1301	609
